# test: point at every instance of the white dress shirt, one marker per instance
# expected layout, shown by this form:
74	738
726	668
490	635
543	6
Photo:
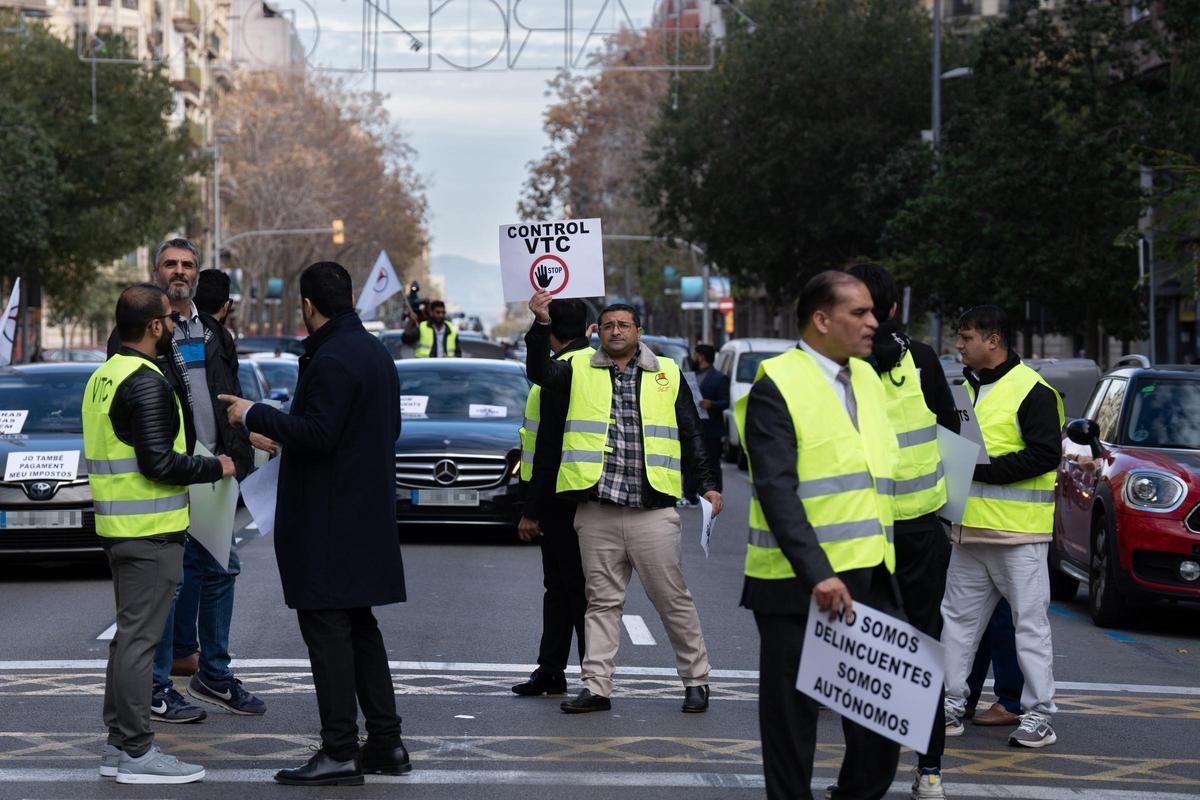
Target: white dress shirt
829	368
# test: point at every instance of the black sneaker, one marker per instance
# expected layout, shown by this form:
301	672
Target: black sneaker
540	683
170	706
227	694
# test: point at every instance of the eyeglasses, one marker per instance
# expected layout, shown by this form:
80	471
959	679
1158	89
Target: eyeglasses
171	262
609	327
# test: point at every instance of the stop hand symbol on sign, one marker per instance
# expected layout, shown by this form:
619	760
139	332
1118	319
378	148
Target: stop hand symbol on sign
550	273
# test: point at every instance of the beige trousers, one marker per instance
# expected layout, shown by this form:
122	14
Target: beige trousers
614	540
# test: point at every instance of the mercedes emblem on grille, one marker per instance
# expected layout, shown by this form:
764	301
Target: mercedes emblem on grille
445	472
40	490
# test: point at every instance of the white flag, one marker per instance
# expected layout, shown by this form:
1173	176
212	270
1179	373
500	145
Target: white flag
10	324
381	284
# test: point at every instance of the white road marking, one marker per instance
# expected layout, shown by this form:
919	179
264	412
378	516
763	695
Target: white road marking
108	633
698	780
459	666
638	632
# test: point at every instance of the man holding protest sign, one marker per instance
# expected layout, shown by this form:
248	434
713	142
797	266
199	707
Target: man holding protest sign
821	454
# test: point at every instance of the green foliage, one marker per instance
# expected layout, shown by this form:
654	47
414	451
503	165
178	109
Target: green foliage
762	161
89	191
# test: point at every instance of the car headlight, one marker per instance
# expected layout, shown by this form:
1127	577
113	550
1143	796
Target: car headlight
1154	491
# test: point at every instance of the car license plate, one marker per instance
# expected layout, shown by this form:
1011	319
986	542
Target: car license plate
41	519
445	497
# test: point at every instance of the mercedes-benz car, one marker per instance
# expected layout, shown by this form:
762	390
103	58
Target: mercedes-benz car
459	454
1127	510
45	500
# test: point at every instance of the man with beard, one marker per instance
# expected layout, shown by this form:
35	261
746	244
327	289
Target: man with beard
201	363
138	467
335	527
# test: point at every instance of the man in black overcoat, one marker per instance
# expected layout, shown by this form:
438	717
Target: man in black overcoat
335	526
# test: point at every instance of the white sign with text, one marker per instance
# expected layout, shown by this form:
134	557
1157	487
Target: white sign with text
12	421
58	466
877	670
564	257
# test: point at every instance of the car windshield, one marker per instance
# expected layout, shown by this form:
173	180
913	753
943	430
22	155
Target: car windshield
249	381
281	374
54	400
462	393
394	345
1165	413
747	366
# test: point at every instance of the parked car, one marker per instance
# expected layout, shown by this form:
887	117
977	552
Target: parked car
61	354
739	359
270	344
459	453
1072	378
44	517
1127	512
282	374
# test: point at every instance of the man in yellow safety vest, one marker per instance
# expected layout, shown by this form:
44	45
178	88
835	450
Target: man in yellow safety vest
138	469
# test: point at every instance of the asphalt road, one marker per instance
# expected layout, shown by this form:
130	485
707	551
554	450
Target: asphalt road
1128	725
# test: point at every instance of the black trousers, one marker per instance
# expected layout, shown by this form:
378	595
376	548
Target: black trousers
788	719
564	601
350	669
922	559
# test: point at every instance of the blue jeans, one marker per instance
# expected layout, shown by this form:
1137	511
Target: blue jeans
200	616
998	648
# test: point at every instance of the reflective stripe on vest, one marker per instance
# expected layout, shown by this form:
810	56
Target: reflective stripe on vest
127	504
533	417
425	340
843	475
585	435
1025	506
920	484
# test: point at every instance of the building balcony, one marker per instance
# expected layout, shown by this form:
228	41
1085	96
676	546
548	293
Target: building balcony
187	16
191	80
196	134
222	72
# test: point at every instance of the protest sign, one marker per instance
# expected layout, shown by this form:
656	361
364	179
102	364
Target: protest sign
876	670
54	466
566	258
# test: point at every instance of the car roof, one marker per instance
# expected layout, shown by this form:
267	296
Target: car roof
1178	371
51	367
475	363
756	343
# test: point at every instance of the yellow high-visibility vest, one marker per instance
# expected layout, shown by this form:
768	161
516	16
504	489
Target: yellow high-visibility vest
585	435
533	417
426	341
845	475
1025	506
919	475
127	504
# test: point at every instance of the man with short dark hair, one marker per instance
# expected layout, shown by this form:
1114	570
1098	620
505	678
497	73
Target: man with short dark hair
335	526
631	430
549	517
138	467
212	294
821	453
435	337
1000	548
714	399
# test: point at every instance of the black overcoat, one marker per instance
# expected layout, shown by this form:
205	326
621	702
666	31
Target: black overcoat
335	516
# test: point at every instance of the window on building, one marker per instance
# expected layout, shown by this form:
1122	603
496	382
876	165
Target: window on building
81	3
131	4
104	2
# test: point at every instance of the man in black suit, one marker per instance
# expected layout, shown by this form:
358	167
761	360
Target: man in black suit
335	526
714	399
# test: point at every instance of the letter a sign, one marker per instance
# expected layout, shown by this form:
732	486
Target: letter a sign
565	258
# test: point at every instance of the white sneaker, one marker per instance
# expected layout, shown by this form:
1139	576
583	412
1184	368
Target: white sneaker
1034	731
155	766
110	758
928	785
954	724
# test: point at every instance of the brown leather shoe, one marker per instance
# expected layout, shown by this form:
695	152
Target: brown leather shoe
186	665
995	716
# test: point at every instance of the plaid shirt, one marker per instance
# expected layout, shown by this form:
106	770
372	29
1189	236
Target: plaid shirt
624	465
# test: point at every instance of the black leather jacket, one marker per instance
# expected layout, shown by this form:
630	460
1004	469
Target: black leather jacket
144	417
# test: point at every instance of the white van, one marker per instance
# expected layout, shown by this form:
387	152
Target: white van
739	359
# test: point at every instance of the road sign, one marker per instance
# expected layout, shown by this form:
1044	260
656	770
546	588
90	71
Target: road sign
725	305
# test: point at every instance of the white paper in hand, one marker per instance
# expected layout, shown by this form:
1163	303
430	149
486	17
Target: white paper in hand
259	491
959	456
706	524
211	514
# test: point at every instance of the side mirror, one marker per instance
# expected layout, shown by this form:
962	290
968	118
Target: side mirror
1085	431
281	395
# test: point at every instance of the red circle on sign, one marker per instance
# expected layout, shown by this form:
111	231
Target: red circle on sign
725	305
561	263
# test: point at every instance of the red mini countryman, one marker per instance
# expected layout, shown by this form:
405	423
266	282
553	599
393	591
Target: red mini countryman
1127	517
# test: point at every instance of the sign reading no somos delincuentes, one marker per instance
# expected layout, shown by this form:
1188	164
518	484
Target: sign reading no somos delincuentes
565	258
878	671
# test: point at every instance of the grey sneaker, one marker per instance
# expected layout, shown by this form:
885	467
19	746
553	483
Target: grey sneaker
1034	731
927	785
110	756
954	724
155	766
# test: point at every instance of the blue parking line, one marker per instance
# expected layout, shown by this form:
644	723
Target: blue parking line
1120	637
1062	612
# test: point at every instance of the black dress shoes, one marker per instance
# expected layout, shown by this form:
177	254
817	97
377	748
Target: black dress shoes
695	699
323	770
540	683
384	760
585	702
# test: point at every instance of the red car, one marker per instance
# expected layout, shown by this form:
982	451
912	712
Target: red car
1127	516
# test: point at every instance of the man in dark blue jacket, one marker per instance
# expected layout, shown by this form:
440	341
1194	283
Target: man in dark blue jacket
335	526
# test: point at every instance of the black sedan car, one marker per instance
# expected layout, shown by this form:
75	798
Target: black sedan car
459	454
40	516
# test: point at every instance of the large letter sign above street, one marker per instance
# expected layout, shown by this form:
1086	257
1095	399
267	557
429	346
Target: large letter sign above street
877	671
566	258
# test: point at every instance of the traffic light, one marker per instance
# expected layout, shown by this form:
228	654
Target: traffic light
339	232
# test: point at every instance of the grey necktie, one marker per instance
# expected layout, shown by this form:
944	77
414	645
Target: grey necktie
843	377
